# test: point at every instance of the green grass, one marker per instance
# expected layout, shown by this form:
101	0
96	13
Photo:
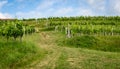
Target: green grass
99	59
38	51
108	43
16	54
62	61
78	58
85	58
103	43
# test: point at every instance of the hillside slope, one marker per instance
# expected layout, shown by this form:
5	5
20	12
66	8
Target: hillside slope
72	58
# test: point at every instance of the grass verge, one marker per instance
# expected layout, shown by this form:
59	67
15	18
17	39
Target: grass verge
16	54
103	43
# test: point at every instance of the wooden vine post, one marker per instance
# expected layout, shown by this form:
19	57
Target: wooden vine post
68	31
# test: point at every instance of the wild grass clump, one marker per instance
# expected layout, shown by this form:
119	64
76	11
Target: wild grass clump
16	54
103	43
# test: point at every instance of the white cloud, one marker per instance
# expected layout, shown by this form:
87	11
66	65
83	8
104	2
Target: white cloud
20	0
85	12
107	7
31	14
5	15
2	3
97	4
116	5
91	1
113	7
47	8
45	4
68	11
63	11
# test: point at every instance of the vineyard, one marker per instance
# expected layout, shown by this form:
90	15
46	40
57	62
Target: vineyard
73	26
15	29
81	42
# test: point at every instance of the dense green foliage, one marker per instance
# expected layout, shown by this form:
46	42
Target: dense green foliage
85	25
15	29
103	43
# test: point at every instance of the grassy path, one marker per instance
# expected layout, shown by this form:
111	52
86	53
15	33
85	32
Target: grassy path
47	42
72	58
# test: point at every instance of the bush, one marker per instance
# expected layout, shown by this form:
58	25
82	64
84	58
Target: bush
103	43
81	41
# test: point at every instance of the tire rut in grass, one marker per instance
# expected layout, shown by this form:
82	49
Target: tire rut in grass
47	43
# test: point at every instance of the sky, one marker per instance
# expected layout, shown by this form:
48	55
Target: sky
58	8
